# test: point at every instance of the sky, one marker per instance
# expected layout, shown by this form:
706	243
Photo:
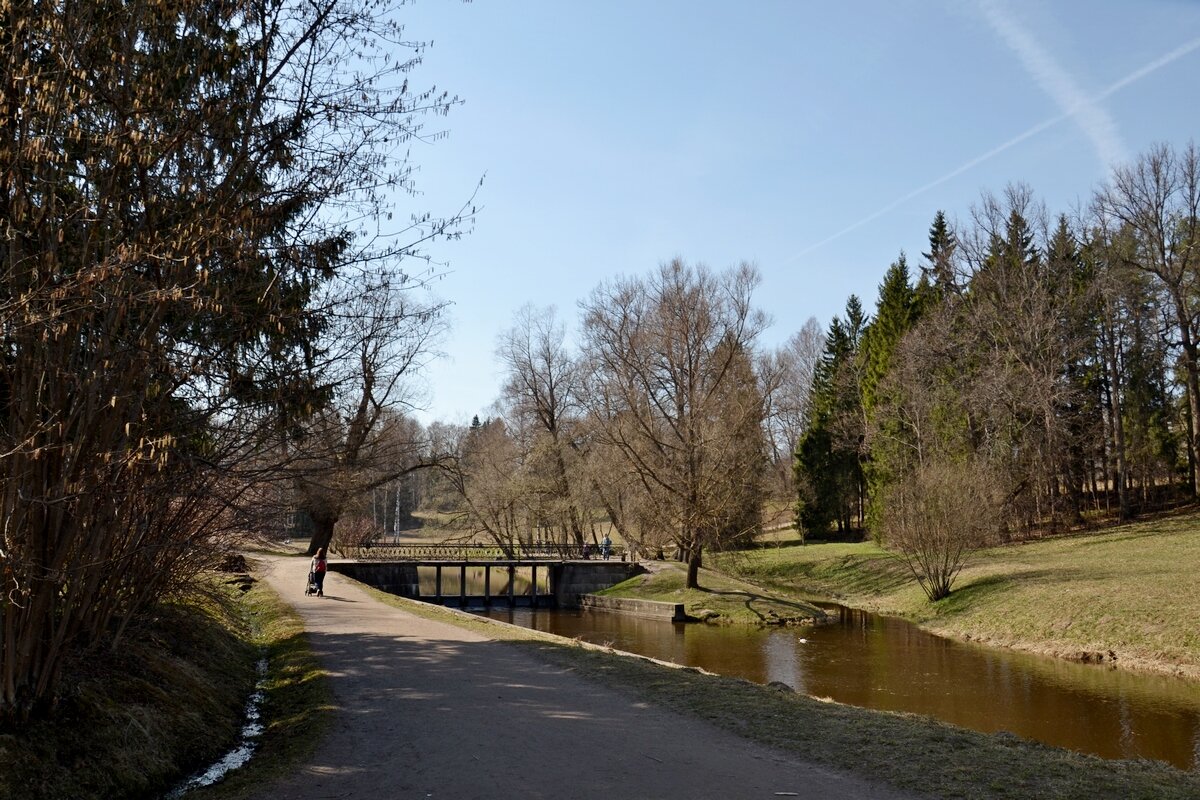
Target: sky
814	140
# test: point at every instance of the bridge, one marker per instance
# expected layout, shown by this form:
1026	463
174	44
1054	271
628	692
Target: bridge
566	572
521	553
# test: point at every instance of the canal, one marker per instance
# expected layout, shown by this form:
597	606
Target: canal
889	664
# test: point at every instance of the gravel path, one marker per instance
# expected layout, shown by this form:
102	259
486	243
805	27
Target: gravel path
428	710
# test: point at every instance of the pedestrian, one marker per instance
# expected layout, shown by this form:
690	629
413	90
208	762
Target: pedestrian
606	547
318	568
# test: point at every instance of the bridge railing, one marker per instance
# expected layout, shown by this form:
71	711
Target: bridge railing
370	551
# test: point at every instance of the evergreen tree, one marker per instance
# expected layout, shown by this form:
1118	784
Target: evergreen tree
895	313
828	470
898	308
939	272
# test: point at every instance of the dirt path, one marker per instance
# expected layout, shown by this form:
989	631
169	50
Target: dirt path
428	710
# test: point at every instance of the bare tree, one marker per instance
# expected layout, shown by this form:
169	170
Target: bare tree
664	355
380	333
1157	198
786	377
540	391
485	467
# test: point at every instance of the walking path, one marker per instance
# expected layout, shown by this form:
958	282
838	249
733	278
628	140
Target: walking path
429	710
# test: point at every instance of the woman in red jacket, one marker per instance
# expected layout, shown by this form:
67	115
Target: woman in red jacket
318	568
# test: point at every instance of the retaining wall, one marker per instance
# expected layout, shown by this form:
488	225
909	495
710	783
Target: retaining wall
572	579
391	577
648	609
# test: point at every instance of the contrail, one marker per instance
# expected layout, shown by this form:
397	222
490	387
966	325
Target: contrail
1133	77
1097	124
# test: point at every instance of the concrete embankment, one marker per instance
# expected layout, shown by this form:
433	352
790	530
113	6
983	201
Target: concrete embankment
647	609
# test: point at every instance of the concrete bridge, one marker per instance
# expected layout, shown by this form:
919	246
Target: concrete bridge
553	579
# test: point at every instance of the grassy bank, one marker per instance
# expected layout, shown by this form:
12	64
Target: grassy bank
298	706
902	750
169	700
130	720
1132	592
722	598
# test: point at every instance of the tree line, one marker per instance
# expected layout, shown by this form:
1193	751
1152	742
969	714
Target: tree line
209	327
1052	360
1031	373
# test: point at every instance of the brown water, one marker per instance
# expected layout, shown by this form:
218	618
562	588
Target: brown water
889	664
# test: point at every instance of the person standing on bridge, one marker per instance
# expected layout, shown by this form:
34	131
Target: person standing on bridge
606	547
318	568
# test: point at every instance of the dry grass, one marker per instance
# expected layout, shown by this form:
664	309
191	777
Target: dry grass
298	707
168	700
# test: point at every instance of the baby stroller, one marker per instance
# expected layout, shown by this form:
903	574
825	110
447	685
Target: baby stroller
311	588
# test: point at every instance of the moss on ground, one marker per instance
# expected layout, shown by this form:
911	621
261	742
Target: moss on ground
298	708
131	719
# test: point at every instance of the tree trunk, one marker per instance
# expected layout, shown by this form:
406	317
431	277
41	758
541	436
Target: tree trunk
322	535
1191	362
694	557
1118	427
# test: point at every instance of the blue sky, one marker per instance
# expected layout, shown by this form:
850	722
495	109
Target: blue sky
816	140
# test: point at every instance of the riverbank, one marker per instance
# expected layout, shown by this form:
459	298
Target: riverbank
1128	596
131	719
722	599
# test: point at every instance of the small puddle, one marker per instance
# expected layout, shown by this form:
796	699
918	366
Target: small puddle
239	755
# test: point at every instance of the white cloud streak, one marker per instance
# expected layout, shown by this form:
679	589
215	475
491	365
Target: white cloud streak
1133	77
1097	124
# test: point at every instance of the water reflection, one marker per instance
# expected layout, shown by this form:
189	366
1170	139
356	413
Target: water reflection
889	664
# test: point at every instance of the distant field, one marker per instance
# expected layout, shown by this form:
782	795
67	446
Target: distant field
1133	590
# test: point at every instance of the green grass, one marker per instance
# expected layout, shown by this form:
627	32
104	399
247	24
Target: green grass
907	751
1133	590
721	598
298	708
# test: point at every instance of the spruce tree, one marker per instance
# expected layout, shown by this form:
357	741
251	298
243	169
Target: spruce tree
827	469
940	258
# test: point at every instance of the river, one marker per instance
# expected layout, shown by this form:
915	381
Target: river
890	664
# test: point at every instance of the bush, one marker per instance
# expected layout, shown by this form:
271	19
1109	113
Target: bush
937	517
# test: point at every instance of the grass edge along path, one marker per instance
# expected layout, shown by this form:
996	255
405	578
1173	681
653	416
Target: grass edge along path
298	707
1131	591
169	700
908	751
